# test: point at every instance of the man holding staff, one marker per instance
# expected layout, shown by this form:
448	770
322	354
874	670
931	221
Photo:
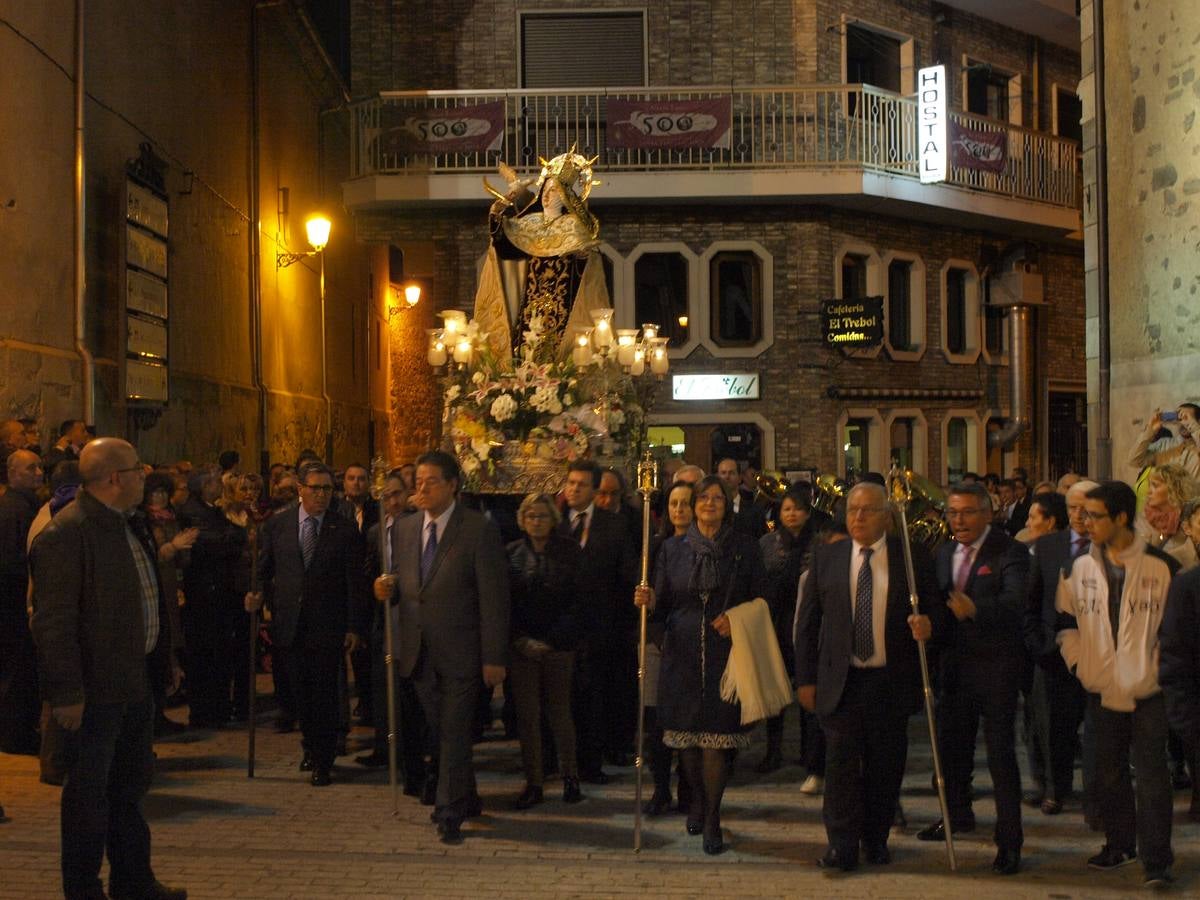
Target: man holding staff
858	669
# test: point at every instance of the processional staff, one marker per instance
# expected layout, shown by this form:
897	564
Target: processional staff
252	662
647	475
379	469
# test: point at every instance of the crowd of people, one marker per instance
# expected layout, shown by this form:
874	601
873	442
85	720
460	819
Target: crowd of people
1066	612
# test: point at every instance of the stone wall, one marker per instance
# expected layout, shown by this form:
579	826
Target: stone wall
1153	158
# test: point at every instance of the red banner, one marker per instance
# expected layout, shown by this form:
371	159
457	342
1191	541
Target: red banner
463	129
984	151
669	124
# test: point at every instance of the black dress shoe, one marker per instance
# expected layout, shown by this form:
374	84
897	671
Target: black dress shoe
571	791
451	832
937	831
531	796
412	787
321	777
658	804
838	861
306	763
877	854
429	792
597	776
156	891
1008	861
714	845
372	760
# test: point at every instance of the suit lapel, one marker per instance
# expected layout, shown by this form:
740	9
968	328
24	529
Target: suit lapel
444	542
987	552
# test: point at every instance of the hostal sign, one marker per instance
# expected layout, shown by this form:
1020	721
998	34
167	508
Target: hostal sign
852	324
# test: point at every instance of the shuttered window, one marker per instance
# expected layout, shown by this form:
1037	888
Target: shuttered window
593	49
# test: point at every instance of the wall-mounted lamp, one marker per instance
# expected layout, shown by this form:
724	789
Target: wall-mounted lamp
317	229
412	296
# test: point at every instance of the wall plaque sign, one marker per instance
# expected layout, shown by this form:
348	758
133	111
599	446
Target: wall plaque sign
741	386
852	324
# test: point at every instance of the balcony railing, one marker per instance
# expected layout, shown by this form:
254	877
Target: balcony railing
852	127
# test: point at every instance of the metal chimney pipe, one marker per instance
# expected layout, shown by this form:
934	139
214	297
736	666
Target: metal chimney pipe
1018	360
85	355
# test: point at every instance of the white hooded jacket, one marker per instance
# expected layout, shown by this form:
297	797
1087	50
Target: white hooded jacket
1126	673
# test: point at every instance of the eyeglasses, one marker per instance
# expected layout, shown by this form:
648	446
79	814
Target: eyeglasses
138	467
1095	516
537	517
319	488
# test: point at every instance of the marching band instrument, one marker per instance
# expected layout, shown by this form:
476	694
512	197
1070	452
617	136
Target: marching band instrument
827	491
647	476
900	491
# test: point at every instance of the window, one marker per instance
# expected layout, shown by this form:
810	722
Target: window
1068	111
899	307
661	294
736	286
994	342
902	443
956	311
872	58
854	276
957	450
987	92
908	440
856	446
592	49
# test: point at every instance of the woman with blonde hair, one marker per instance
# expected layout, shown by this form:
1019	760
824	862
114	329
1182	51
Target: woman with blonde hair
1169	488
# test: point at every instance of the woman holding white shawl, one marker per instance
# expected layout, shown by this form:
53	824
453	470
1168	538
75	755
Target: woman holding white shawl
699	576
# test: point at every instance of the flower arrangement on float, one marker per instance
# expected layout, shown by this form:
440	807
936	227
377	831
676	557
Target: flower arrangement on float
510	422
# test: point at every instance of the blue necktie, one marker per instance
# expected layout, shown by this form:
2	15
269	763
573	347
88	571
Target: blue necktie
308	540
429	552
864	619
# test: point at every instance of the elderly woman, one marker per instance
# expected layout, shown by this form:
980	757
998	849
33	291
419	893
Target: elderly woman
544	575
784	551
698	577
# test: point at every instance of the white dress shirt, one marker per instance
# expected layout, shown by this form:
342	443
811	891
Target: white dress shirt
960	556
879	595
590	512
442	521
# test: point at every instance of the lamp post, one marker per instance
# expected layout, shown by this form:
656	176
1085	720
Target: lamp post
317	228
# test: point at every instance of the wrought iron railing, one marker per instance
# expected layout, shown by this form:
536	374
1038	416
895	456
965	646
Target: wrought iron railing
818	127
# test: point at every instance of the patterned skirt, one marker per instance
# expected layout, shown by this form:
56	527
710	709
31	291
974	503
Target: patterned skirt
706	740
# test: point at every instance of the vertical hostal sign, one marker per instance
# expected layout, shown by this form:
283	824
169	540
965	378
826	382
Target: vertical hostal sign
931	123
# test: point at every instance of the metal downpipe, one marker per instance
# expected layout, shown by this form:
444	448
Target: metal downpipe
85	355
1018	359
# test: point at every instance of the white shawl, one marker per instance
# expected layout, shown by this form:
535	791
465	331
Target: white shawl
755	676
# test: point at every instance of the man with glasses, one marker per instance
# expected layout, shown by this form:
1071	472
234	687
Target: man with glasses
312	574
1113	603
451	586
1064	699
858	669
982	574
101	628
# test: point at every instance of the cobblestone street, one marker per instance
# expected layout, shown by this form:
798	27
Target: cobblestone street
224	836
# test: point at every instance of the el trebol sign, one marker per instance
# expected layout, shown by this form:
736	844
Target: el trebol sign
931	123
714	387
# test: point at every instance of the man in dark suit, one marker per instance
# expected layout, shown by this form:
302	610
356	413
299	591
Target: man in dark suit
313	577
357	505
858	669
451	585
410	717
747	517
605	691
981	575
102	632
1021	503
1063	695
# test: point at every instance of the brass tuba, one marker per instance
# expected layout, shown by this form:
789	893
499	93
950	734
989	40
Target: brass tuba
924	509
827	491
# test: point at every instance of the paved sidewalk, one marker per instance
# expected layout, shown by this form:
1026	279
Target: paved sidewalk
224	836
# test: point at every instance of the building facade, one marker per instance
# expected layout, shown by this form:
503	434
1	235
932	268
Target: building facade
815	196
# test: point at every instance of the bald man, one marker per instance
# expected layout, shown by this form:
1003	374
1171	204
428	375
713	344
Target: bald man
100	625
19	704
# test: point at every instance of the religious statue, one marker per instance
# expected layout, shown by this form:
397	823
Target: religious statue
542	262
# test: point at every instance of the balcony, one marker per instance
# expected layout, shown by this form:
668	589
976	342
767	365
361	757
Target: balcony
848	145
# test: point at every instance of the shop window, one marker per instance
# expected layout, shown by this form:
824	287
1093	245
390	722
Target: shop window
856	446
736	293
903	433
661	294
956	450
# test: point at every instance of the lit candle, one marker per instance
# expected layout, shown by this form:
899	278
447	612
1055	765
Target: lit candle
436	355
649	331
626	345
456	322
638	366
602	335
462	351
659	363
582	354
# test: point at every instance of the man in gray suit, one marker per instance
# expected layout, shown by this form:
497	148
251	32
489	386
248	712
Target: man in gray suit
451	585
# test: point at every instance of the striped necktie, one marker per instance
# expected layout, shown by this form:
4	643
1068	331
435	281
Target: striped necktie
864	617
308	540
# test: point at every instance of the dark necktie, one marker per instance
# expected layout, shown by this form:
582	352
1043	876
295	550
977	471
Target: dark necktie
429	552
864	618
308	540
1079	546
577	528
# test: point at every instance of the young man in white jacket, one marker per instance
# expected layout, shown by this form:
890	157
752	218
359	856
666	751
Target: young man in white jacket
1111	606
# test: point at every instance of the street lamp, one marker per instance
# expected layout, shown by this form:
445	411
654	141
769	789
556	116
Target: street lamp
317	228
412	296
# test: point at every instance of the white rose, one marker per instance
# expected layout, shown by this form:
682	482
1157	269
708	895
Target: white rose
503	408
470	464
452	393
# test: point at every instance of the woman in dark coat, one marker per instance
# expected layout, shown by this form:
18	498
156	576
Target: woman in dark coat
544	577
784	550
697	578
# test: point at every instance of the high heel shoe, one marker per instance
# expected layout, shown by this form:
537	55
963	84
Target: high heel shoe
714	842
695	819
